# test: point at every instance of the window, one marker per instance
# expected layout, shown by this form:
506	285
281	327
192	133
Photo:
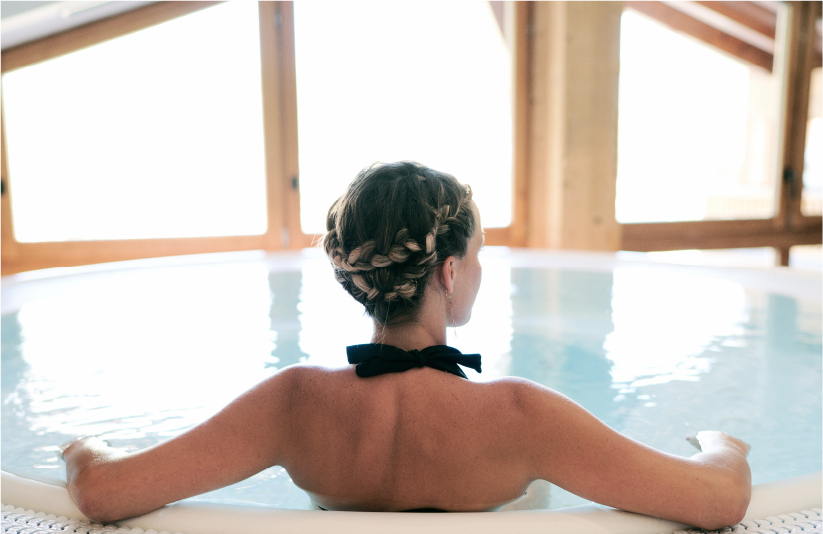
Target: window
236	187
737	207
154	134
222	190
430	82
697	134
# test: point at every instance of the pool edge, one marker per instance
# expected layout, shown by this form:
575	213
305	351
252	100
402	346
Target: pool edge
769	499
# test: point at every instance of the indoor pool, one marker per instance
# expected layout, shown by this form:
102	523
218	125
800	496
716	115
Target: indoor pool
140	351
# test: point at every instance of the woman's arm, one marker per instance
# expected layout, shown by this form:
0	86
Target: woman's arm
244	438
570	447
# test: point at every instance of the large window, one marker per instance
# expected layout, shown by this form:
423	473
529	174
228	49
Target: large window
155	134
173	129
698	129
160	131
390	81
713	156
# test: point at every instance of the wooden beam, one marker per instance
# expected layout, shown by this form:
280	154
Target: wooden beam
68	254
96	32
573	125
8	246
818	35
521	56
647	237
274	83
749	14
289	189
679	21
783	254
795	111
537	233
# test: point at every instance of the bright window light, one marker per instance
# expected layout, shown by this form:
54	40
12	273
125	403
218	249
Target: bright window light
389	81
697	130
158	133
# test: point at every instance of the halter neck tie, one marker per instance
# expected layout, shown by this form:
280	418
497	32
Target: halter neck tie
374	359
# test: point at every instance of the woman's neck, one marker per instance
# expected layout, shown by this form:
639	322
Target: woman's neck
407	336
424	331
427	328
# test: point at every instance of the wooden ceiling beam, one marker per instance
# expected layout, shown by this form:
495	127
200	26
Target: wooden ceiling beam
749	14
679	21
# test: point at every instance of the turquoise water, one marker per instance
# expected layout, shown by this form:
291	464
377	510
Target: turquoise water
658	354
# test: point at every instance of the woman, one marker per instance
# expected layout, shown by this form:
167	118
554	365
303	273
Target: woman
404	429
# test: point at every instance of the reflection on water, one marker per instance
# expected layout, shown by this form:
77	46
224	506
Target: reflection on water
561	321
781	323
661	333
285	318
139	356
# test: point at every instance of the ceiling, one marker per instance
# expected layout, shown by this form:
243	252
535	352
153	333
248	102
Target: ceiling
8	9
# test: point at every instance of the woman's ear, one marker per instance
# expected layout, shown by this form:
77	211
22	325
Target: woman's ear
448	273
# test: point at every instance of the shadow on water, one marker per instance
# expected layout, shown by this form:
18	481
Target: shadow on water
285	318
560	324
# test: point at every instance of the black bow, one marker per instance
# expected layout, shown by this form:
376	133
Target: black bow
374	359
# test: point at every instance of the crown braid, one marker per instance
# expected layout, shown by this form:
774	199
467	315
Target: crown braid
390	230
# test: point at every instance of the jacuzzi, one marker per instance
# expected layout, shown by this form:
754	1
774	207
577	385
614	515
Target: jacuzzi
139	351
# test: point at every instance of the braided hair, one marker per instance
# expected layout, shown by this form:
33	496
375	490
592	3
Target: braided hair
394	225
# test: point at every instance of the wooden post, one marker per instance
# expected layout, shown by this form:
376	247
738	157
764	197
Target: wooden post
10	250
573	127
289	188
799	44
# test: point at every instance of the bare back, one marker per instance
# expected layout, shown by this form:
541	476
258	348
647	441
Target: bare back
418	439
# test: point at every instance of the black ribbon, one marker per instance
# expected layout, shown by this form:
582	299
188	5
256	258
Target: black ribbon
374	359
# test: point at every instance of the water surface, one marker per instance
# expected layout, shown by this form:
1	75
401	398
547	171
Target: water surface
141	355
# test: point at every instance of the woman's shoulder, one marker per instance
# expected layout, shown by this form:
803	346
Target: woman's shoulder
516	385
527	396
301	379
313	373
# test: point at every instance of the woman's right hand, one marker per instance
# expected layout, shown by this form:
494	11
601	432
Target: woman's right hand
710	440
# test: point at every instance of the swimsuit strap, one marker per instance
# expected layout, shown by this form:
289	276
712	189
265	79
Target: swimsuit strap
374	359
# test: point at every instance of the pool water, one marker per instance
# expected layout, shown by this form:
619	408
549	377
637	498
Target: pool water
139	355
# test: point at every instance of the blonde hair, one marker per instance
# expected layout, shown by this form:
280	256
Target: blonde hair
394	225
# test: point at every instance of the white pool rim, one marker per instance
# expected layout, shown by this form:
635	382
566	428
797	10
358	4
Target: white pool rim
769	499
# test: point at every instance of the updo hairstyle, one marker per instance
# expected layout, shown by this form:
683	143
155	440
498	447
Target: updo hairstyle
391	229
